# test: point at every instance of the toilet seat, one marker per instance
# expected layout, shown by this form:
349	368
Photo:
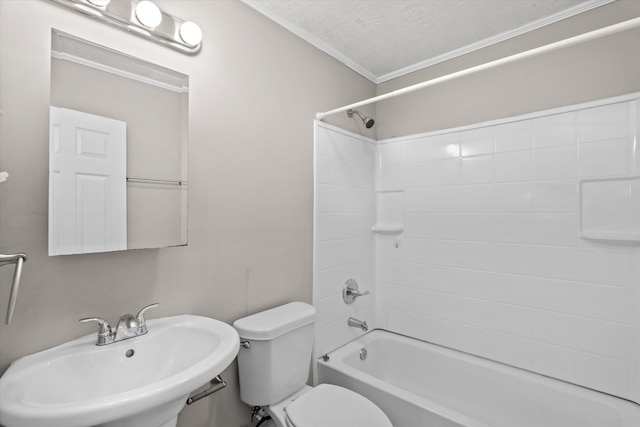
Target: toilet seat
330	405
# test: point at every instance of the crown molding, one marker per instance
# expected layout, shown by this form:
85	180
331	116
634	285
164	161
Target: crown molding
340	57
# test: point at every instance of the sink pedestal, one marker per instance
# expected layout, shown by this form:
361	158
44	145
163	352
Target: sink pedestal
165	415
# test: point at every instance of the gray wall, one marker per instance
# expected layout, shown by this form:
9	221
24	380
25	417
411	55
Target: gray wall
599	69
254	91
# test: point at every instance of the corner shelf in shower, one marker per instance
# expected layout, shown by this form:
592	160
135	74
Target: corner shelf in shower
388	229
390	190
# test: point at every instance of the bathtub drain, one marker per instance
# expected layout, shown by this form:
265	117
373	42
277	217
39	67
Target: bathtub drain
363	354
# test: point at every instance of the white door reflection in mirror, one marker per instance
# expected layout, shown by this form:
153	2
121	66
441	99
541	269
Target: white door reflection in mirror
88	194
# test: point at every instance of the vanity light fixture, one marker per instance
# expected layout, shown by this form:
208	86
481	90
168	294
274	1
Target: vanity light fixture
144	18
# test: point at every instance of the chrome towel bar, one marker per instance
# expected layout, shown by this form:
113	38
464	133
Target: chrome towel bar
217	384
156	181
17	259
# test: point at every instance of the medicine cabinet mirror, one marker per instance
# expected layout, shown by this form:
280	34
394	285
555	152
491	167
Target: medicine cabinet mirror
117	151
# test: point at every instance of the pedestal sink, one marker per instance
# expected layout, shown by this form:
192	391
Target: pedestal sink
139	382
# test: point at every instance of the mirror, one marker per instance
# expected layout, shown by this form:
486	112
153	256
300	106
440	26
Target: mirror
117	151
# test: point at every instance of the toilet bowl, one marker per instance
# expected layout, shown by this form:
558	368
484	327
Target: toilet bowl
331	405
273	367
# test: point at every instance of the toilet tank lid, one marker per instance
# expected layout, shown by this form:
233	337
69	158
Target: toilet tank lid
274	322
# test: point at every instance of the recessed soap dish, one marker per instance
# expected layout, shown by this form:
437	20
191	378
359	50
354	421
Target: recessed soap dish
610	209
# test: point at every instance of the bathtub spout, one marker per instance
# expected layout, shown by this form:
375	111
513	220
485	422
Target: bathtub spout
358	323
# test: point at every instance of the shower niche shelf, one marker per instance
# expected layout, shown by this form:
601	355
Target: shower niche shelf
610	209
388	229
615	237
389	212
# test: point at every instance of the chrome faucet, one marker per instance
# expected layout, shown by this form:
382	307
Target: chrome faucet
358	323
129	326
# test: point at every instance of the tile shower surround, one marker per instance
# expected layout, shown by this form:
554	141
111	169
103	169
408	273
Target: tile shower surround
343	242
490	260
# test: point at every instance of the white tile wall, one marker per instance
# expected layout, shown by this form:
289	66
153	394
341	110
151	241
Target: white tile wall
491	260
343	242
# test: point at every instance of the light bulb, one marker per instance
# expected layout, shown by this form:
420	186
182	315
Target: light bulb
148	14
190	33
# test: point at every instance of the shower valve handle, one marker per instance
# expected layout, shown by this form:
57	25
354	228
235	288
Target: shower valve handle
358	294
350	292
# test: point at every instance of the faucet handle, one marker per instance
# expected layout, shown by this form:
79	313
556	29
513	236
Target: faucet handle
104	329
142	325
358	294
350	291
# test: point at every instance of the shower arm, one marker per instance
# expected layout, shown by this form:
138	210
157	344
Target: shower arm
17	259
601	32
351	112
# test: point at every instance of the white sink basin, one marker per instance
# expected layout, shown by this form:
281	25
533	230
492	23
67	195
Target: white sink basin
81	384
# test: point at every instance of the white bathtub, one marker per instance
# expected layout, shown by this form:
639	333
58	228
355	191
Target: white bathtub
418	384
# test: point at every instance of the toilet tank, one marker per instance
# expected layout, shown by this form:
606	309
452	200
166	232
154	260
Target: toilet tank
277	363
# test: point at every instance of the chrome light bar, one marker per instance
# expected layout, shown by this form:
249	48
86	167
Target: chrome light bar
144	18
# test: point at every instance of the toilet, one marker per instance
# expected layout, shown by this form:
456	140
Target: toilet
273	365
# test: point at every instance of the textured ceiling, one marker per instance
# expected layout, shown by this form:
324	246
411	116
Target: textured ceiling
383	39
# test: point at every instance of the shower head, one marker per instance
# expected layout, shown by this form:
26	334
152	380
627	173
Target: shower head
367	121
